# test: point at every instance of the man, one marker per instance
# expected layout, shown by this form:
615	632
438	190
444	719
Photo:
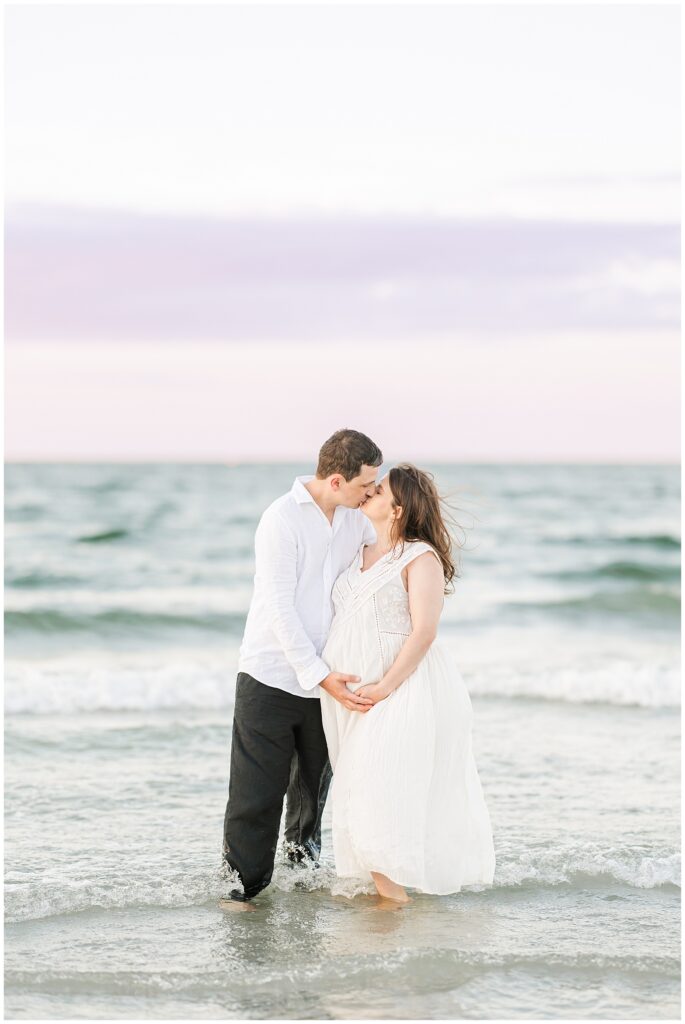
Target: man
304	540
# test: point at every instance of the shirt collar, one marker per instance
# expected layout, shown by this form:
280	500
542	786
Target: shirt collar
301	495
299	491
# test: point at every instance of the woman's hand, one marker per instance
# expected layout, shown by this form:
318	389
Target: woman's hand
375	691
336	683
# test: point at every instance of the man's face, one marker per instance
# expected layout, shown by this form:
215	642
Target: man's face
352	493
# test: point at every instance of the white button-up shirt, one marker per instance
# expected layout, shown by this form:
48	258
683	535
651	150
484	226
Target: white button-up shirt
299	555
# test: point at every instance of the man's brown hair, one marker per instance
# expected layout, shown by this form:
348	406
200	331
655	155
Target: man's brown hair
345	452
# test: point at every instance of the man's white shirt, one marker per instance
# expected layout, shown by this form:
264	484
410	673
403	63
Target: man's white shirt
299	555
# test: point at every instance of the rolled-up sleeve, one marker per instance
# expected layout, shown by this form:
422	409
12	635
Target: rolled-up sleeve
276	573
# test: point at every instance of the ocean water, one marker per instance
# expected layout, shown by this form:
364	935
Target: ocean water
126	592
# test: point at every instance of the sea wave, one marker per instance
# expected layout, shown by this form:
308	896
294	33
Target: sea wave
640	571
103	537
53	688
532	870
354	970
112	622
37	579
581	863
648	601
148	685
665	541
618	682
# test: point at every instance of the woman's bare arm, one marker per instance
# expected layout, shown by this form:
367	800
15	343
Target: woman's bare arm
426	590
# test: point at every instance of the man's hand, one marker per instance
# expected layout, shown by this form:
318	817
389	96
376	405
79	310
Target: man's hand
335	683
375	691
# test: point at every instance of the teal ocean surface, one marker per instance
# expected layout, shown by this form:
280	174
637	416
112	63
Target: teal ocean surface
127	588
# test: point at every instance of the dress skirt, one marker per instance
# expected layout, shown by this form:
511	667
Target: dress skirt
406	797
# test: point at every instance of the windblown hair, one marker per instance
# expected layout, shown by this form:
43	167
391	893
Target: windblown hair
423	515
345	452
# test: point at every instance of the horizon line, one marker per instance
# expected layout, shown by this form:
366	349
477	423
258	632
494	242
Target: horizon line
291	461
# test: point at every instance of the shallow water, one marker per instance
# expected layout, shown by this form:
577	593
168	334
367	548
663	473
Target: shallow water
113	880
120	674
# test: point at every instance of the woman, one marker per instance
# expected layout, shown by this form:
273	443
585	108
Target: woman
407	803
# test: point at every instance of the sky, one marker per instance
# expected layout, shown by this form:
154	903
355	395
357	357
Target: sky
232	229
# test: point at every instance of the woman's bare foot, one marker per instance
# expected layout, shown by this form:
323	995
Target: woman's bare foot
383	903
389	890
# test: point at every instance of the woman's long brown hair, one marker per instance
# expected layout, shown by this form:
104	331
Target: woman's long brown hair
423	516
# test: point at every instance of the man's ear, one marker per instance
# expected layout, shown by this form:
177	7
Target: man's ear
335	481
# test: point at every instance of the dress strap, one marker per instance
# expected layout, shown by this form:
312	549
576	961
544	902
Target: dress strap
415	548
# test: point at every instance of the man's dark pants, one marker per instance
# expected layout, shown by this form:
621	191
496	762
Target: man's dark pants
278	747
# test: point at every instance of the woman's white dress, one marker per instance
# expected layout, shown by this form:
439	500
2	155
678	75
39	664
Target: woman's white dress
406	797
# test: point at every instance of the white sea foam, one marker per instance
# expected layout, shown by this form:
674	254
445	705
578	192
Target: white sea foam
145	682
619	682
576	866
633	867
141	683
195	599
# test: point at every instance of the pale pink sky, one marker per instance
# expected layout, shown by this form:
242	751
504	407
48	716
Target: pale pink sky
565	396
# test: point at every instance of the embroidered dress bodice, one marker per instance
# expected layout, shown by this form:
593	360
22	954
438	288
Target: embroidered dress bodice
374	605
392	607
382	584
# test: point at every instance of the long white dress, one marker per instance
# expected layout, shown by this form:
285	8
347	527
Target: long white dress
406	797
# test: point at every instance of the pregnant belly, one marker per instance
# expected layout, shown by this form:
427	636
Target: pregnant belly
349	650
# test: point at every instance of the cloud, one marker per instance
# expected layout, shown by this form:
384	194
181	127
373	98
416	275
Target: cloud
88	274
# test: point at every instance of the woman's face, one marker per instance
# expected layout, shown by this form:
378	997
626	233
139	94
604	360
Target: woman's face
379	507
